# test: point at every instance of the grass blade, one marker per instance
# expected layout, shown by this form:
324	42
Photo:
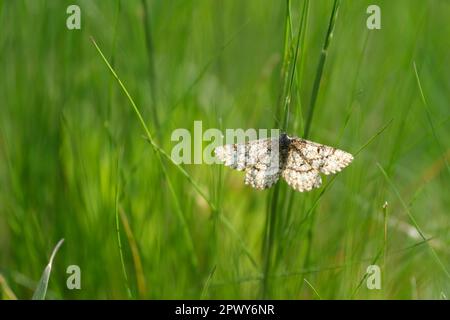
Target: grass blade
287	100
430	121
160	152
151	64
5	291
119	241
413	220
149	136
320	67
314	289
312	106
327	186
207	283
41	289
137	262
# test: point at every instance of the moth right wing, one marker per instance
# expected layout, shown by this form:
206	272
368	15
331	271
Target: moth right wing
298	172
326	159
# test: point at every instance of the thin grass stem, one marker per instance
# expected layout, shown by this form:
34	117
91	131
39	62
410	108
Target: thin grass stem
320	68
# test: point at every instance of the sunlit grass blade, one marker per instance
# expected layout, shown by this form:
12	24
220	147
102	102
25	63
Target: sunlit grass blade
5	291
312	287
41	289
137	262
119	241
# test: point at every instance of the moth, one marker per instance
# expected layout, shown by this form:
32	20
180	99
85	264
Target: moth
300	162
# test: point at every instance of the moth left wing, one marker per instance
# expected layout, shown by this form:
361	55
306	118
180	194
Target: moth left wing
259	158
242	155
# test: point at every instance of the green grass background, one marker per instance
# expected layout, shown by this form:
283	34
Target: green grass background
74	164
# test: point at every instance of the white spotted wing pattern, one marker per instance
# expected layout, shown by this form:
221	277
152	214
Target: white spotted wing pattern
297	160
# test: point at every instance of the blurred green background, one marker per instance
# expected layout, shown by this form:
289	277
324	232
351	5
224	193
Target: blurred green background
74	164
